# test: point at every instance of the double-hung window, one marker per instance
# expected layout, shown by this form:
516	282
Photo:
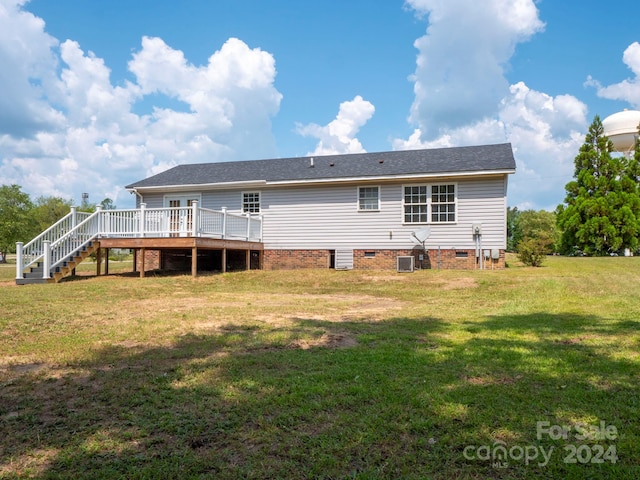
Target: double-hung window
415	204
429	203
443	203
368	198
251	202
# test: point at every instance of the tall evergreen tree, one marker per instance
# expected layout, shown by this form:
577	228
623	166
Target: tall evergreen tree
601	213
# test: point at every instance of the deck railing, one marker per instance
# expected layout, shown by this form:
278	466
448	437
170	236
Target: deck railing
56	244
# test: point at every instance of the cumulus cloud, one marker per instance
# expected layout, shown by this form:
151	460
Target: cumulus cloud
459	78
339	135
627	90
462	96
545	132
28	66
65	128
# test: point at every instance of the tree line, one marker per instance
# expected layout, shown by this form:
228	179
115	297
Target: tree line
600	214
22	218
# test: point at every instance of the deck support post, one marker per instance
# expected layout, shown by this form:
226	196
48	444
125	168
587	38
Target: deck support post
194	262
98	262
142	255
135	260
224	260
248	259
106	261
19	268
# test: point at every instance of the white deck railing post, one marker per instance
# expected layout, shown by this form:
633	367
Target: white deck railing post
19	263
224	222
143	206
46	259
74	217
100	222
195	227
248	226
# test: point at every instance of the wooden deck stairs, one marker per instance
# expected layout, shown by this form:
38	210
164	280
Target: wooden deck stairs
35	274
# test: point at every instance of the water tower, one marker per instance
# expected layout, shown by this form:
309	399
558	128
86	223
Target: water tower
622	130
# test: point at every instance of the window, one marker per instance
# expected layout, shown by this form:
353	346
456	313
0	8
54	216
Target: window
443	203
368	198
429	203
251	202
415	204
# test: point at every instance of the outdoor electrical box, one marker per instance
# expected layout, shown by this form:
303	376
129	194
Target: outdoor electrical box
476	228
495	254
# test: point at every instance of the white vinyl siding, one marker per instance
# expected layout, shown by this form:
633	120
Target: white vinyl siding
324	217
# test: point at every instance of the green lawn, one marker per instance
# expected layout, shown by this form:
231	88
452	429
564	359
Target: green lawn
324	374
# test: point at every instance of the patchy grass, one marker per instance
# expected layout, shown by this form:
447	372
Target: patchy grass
322	374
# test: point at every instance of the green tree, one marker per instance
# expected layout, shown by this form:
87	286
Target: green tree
601	212
540	226
513	231
16	219
48	210
107	204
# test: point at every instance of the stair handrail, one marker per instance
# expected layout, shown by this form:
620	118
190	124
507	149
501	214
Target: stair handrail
33	251
75	239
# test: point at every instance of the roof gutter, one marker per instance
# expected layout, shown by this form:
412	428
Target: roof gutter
392	177
310	181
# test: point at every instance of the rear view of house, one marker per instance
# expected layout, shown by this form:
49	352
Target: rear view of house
434	208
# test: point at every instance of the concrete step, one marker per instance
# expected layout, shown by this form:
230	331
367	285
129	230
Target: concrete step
31	281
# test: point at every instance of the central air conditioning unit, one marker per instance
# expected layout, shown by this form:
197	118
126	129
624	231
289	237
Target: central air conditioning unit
405	264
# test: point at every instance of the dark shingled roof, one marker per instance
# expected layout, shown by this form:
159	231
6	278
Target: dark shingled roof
485	158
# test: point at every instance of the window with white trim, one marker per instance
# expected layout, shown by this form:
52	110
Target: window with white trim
429	203
368	198
251	202
415	204
443	203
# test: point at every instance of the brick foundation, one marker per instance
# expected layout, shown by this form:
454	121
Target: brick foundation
380	259
362	259
294	259
152	260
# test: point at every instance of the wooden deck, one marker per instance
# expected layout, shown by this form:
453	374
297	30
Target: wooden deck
187	231
141	246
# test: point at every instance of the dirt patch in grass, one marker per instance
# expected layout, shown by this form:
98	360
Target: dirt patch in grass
460	283
327	340
484	380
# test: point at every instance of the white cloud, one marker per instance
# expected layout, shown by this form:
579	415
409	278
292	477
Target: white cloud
545	132
28	65
339	135
627	90
65	128
461	60
463	97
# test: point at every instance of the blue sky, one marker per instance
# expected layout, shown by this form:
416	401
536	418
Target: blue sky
101	94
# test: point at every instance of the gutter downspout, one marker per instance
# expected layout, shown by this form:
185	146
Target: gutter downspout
133	190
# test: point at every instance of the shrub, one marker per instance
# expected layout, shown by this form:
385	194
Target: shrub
532	252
